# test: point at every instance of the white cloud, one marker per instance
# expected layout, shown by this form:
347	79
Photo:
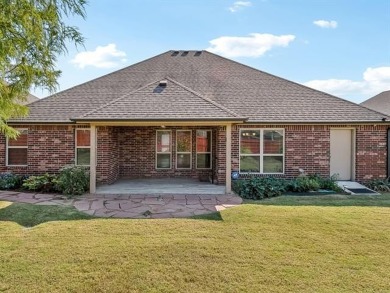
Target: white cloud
102	57
238	5
375	80
253	46
326	23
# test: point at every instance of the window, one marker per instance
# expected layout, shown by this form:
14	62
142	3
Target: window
262	151
203	149
183	149
163	149
17	149
83	147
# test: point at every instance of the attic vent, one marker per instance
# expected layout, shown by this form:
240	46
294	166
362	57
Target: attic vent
185	53
175	53
197	53
163	83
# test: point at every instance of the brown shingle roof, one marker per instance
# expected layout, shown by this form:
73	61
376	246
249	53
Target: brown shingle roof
380	102
248	92
172	101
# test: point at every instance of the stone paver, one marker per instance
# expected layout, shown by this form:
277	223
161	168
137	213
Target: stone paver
135	206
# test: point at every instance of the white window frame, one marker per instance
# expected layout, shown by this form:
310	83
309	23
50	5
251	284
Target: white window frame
81	147
16	147
201	153
184	153
262	155
165	153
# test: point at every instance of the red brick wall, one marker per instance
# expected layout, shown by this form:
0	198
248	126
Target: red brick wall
137	153
107	168
130	151
50	147
308	147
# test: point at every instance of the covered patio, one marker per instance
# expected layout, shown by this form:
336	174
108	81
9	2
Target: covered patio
161	186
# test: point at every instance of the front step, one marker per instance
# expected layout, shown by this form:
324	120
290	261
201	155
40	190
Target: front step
355	188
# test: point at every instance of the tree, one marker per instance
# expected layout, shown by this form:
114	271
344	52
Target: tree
32	34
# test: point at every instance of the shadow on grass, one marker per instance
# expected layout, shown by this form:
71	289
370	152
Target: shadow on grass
335	200
211	217
29	215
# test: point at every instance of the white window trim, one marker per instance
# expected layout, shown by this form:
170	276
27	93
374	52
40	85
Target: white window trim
15	147
261	155
201	153
184	153
81	147
170	153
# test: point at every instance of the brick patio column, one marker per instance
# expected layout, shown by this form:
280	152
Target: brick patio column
92	164
228	158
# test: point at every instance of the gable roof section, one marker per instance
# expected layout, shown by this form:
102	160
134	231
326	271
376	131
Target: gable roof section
245	91
154	102
380	102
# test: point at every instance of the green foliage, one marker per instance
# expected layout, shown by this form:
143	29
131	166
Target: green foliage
10	181
379	185
313	182
73	180
303	184
259	187
32	34
42	183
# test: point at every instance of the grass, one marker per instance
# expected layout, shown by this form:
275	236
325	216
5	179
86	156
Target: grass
29	215
250	248
382	200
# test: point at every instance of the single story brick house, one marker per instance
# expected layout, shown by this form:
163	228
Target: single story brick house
195	114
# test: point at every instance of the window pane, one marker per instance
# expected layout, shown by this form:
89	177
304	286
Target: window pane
203	161
163	141
250	164
184	161
17	156
273	164
83	137
203	141
273	142
250	142
83	156
164	161
183	141
21	140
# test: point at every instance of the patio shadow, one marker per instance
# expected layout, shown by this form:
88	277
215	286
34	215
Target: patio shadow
211	217
30	215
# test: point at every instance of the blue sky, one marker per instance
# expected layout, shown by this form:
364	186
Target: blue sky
339	46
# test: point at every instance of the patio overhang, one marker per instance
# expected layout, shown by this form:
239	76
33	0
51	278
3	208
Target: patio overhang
226	124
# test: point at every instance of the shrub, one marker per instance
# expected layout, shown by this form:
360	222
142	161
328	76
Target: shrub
10	181
259	187
379	185
73	180
327	183
42	183
303	184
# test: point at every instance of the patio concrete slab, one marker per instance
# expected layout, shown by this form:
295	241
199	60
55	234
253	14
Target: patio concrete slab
161	186
142	206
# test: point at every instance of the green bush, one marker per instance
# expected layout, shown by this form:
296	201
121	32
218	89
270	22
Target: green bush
73	180
379	185
10	181
42	183
259	187
303	184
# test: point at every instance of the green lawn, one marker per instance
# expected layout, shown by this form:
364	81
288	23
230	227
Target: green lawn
252	248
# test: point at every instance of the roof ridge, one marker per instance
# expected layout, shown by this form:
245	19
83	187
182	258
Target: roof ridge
105	75
117	99
290	81
203	97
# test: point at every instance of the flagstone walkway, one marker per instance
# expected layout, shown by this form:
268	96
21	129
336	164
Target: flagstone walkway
132	206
